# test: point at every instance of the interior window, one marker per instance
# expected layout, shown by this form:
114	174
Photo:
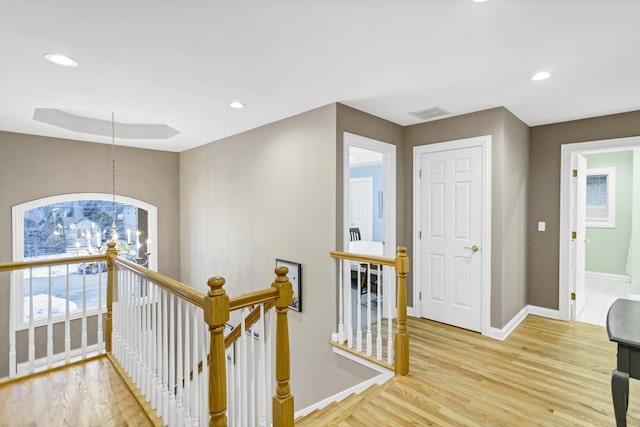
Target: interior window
600	197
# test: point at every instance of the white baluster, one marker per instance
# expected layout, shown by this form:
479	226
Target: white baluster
165	356
49	322
204	384
151	345
157	373
388	293
186	392
340	336
379	315
179	365
369	337
172	361
195	356
12	328
100	336
348	307
83	333
32	342
142	334
243	369
269	375
67	321
359	313
252	382
262	394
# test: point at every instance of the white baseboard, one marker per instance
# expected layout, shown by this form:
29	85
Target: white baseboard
384	376
410	312
608	276
501	334
635	297
544	312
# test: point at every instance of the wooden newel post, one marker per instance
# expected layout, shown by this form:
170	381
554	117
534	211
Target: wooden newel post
216	314
283	400
402	335
111	283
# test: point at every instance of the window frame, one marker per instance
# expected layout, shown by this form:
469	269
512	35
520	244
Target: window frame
17	228
610	220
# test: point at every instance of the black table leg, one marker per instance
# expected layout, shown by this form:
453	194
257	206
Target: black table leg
620	394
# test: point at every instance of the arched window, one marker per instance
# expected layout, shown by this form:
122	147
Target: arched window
68	225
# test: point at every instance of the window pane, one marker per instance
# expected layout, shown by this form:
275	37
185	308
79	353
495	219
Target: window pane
597	190
78	227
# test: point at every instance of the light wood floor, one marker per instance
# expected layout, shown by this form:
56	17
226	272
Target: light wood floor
86	394
546	373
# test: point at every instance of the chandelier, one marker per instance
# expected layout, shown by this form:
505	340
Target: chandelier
130	249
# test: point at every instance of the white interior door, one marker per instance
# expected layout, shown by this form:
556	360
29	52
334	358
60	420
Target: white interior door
578	226
450	236
361	206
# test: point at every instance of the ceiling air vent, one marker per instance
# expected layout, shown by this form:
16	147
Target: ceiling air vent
430	113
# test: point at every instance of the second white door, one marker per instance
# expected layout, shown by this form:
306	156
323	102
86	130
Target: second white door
450	236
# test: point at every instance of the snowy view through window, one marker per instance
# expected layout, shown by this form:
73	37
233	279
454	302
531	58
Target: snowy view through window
67	229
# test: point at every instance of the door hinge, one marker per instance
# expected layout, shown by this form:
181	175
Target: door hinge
419	235
420	173
573	296
420	296
574	235
575	173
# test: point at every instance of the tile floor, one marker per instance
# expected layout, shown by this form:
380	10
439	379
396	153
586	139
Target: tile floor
601	293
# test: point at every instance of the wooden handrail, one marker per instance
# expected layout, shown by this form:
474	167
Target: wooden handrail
185	292
363	258
252	298
248	323
19	265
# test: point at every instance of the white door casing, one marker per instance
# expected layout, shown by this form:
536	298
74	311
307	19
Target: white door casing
578	225
389	201
452	233
566	279
361	206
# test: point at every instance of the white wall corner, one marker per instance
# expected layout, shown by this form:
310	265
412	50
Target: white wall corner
501	334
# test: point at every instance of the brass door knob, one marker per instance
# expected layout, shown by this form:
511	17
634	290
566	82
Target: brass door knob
473	248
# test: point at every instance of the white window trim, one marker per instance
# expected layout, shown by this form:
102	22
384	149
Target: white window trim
17	226
610	220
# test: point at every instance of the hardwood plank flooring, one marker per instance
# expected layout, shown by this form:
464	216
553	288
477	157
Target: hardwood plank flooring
84	394
546	373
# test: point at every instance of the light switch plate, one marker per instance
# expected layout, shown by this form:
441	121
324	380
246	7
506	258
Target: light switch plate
542	226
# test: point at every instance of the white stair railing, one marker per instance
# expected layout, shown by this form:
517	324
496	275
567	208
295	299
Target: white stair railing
160	341
58	292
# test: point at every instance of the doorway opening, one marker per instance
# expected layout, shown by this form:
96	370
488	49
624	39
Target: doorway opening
598	204
369	202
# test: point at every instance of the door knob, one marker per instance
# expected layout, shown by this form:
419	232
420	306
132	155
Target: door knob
473	248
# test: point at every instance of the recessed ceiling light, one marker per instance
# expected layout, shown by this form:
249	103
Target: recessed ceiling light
236	104
542	75
63	60
479	1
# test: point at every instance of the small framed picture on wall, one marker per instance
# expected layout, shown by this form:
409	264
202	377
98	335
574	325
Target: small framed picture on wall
295	277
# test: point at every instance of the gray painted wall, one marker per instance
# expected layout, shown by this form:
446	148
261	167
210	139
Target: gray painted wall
32	167
544	194
265	194
509	141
